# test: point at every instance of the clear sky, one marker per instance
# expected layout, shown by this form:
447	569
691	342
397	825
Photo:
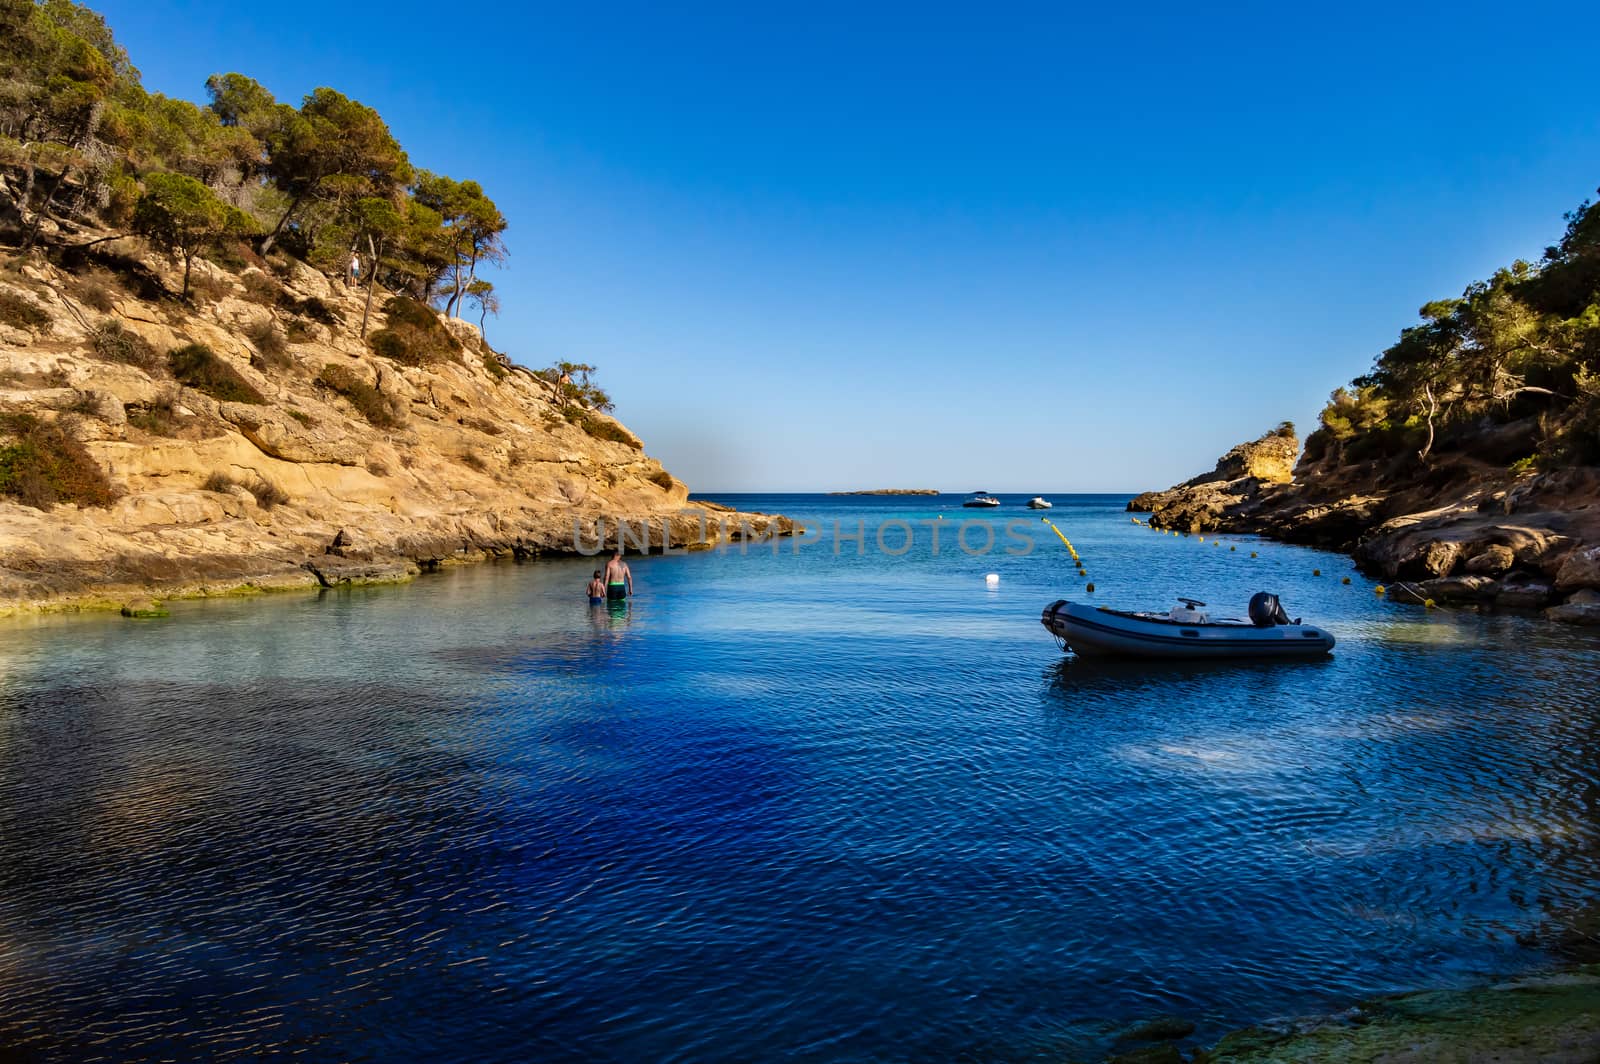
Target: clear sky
1052	248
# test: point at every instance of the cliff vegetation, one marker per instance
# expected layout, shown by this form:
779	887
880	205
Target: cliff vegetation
233	354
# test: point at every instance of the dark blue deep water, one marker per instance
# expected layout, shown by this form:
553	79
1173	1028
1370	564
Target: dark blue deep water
805	806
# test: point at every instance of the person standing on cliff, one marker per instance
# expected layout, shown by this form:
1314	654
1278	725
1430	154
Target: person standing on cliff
619	578
354	276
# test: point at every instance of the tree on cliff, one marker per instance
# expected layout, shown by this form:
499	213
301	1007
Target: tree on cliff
480	293
179	214
1523	345
332	144
472	226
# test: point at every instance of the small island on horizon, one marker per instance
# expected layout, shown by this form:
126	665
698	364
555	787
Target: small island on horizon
890	491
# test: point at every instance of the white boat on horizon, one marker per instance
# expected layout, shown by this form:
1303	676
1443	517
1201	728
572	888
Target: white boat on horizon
981	499
1184	632
1039	502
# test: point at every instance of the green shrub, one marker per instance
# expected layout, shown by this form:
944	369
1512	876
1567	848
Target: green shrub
198	366
310	307
496	368
414	335
221	483
97	292
267	493
662	479
115	343
259	288
603	428
372	404
272	346
22	312
42	466
208	287
158	417
300	416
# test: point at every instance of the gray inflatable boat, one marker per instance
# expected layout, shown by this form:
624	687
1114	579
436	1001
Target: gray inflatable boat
1184	632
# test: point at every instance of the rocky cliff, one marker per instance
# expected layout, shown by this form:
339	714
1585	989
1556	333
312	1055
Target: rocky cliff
1214	499
1459	528
250	438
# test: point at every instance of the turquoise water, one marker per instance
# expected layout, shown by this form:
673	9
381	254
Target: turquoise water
814	805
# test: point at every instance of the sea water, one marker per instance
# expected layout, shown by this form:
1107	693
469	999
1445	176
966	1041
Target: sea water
837	801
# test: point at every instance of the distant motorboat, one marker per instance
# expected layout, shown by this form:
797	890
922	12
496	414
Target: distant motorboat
981	499
1039	502
1184	632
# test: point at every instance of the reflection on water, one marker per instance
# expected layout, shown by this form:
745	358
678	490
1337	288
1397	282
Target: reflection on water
811	806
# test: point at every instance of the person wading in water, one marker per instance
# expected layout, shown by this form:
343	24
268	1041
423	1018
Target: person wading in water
619	578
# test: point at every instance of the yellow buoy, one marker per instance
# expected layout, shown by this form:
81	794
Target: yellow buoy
1089	588
1316	572
1429	604
1252	554
1378	590
1346	580
1233	548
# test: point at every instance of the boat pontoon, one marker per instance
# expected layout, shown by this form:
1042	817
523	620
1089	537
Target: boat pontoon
1186	631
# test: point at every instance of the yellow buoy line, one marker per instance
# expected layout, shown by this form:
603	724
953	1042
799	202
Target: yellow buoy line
1217	541
1076	560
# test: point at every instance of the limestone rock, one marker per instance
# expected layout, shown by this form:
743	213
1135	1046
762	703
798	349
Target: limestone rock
1492	560
333	571
1471	588
1581	608
1581	569
1524	596
281	436
1213	500
1432	559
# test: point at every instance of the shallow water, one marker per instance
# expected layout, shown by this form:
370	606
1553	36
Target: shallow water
813	805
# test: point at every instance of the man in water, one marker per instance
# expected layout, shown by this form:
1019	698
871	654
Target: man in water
597	589
619	578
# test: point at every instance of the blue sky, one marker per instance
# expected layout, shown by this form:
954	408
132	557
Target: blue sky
1025	248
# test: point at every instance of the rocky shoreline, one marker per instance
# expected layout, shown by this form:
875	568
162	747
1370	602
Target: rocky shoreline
1550	1018
301	457
1463	531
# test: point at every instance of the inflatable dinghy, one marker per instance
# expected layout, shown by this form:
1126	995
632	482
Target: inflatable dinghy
1184	632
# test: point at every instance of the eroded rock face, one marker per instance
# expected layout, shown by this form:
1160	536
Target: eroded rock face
221	496
1216	499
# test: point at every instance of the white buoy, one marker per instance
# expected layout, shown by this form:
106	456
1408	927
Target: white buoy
992	579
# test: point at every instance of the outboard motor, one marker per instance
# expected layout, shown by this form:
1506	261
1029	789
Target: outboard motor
1266	610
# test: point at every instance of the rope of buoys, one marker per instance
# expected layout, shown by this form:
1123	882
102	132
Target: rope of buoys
1070	548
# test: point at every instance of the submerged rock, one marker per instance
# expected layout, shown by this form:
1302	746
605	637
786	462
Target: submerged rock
1159	1029
1553	1019
144	609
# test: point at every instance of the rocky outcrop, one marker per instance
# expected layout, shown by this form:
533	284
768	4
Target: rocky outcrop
398	468
1223	496
1536	1019
1459	530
